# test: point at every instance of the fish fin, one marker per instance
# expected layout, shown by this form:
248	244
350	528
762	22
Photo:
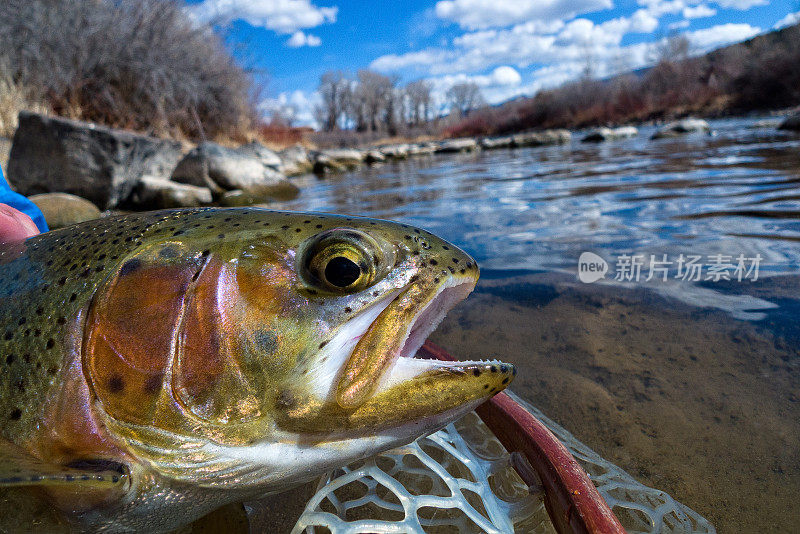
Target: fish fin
18	468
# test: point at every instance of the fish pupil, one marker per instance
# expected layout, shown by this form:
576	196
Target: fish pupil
342	272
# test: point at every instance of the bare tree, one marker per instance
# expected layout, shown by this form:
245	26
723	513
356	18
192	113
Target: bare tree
375	92
334	89
465	97
419	101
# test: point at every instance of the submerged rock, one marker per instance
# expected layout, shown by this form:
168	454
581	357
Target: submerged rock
259	195
374	156
791	123
466	144
153	193
223	169
97	163
682	127
599	135
63	209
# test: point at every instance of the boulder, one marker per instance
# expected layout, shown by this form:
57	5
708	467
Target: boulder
395	151
791	123
546	137
223	169
63	209
337	160
466	144
422	149
267	156
497	142
599	135
153	193
682	127
374	156
295	160
97	163
325	164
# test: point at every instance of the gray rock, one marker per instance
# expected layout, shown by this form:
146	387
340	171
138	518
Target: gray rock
791	123
374	156
422	149
153	193
466	144
336	160
497	142
395	151
223	169
267	156
100	164
295	160
63	209
546	137
599	135
682	127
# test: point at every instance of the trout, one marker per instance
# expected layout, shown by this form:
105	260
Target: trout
155	367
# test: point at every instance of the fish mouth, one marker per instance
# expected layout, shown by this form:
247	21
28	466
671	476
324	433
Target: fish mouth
384	354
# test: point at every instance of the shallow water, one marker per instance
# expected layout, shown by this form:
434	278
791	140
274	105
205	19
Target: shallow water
688	380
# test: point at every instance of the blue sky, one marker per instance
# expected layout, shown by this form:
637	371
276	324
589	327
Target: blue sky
507	47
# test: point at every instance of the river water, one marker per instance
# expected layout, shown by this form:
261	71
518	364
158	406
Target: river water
674	350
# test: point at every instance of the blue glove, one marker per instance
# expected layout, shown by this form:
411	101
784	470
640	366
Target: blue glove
17	201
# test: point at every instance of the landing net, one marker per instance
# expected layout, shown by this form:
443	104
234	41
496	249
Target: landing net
461	479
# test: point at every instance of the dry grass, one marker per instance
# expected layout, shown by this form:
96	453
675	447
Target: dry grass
15	97
143	65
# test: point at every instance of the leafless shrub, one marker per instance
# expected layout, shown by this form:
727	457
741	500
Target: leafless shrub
138	64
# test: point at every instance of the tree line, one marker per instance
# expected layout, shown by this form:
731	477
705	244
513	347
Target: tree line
374	102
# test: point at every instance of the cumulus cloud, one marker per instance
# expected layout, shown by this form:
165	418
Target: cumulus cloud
299	39
523	45
721	34
741	5
698	12
481	14
788	20
281	16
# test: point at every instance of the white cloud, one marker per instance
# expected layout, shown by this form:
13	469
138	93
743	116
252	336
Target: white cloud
281	16
506	75
296	105
698	12
480	14
299	39
788	20
681	24
741	5
716	36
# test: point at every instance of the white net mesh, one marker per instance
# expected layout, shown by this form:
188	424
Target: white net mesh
460	479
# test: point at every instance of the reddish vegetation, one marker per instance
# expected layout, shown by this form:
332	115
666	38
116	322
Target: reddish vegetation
758	74
282	135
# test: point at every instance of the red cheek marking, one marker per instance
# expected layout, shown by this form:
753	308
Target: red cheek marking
130	336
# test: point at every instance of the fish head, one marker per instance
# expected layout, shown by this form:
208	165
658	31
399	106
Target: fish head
274	353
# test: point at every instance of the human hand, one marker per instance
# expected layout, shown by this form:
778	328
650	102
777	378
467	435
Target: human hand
14	225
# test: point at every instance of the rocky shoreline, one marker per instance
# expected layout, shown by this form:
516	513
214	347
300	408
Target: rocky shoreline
69	167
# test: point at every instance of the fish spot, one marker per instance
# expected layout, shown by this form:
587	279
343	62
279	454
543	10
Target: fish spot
73	297
16	414
436	280
130	266
39	311
321	345
493	369
319	226
153	383
61	320
463	271
486	386
348	309
116	384
476	372
21	321
434	262
445	247
10	359
50	344
220	236
298	230
455	260
503	369
505	380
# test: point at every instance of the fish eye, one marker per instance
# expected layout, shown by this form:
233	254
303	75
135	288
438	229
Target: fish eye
340	261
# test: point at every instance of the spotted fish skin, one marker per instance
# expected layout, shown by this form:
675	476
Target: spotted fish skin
213	355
